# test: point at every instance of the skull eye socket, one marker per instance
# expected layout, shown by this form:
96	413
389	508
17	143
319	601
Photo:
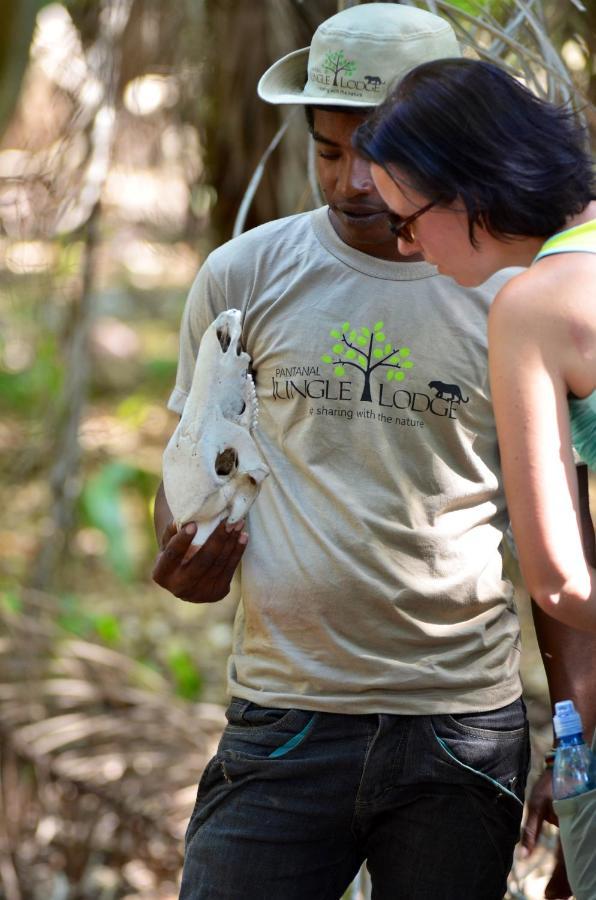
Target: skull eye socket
226	461
225	339
223	336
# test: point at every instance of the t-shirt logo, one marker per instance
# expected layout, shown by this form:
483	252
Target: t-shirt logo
368	374
367	350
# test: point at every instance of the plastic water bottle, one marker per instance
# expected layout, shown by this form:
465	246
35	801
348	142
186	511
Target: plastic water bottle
573	758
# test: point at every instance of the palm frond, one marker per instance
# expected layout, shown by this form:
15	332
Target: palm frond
83	727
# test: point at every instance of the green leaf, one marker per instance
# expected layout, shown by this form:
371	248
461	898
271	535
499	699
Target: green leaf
399	376
108	628
361	340
377	353
189	681
159	370
365	331
390	374
345	326
473	7
352	335
405	351
326	358
351	353
11	602
339	371
73	618
102	503
362	360
387	349
407	364
378	326
338	348
335	333
32	389
393	360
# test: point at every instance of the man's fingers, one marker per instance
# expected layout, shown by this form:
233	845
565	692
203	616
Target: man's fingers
215	563
531	830
213	556
168	533
173	553
201	574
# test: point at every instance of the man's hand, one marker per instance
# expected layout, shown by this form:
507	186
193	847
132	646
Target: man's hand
203	574
540	810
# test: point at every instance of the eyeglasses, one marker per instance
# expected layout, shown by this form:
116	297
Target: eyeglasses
403	227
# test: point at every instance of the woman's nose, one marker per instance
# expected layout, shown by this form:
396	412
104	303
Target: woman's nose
408	248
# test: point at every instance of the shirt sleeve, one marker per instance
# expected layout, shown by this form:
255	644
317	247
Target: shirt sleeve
204	303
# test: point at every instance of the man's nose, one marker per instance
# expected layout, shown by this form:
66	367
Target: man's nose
356	177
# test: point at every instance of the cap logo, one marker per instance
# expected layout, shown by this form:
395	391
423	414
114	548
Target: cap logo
336	63
334	73
357	54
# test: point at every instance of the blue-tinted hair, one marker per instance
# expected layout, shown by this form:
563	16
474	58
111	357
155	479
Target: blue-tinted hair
460	128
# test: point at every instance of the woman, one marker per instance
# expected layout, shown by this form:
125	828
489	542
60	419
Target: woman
481	175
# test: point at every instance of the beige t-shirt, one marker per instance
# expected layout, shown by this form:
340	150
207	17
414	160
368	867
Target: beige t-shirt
372	581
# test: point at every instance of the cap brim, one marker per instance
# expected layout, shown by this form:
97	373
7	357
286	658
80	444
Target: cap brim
284	82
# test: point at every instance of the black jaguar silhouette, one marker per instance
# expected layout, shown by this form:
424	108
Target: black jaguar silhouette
453	390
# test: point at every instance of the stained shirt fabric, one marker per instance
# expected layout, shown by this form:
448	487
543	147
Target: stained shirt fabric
373	579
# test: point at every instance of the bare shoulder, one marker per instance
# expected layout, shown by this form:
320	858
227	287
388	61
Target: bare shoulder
516	306
546	316
552	292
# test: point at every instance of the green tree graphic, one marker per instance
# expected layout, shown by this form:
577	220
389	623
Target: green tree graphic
336	63
366	351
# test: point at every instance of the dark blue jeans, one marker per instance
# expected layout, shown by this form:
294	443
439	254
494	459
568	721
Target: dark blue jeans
294	801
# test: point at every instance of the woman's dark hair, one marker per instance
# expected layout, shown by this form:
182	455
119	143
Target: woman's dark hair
459	128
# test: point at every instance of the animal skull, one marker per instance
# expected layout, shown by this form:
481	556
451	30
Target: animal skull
211	466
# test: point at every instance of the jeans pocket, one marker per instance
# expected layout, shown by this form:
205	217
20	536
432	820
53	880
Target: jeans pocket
493	746
243	715
507	720
261	733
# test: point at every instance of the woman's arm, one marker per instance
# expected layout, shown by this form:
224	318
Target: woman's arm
529	390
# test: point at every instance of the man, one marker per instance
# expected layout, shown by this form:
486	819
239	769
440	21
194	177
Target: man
376	710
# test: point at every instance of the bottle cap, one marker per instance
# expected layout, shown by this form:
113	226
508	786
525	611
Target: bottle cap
566	720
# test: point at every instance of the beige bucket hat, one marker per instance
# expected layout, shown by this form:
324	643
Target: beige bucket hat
356	55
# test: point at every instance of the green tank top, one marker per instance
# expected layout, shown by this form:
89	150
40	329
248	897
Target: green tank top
582	411
579	239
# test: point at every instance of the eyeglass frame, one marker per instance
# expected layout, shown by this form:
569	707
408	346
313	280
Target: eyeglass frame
402	227
397	227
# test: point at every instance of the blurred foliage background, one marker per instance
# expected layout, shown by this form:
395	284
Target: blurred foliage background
129	132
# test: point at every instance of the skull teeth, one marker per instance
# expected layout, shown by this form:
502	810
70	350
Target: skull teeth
254	403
